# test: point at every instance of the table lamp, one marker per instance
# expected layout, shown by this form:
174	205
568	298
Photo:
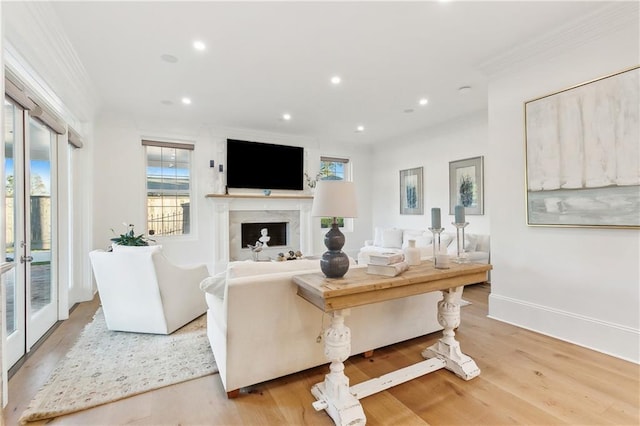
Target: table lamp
334	198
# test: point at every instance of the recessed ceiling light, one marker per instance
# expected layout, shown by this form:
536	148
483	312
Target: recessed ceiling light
286	116
360	128
464	90
336	79
199	45
423	101
169	58
186	101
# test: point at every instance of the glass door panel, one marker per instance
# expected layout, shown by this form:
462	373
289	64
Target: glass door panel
13	276
42	289
29	242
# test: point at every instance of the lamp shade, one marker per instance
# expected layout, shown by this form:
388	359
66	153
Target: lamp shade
334	198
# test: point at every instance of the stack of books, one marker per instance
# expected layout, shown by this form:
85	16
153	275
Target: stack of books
388	264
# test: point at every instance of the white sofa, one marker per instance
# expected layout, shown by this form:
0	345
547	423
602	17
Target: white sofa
260	329
394	240
142	291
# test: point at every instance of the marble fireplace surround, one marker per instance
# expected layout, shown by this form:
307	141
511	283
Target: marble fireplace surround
231	210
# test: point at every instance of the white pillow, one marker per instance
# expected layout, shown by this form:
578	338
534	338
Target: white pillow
377	237
445	239
422	240
469	245
392	238
410	234
215	285
427	251
117	248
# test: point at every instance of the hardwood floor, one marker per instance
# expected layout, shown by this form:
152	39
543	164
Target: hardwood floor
527	379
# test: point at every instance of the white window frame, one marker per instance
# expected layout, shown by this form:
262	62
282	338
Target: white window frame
348	222
189	147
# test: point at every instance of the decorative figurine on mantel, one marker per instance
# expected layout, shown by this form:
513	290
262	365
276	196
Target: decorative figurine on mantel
255	250
290	256
264	238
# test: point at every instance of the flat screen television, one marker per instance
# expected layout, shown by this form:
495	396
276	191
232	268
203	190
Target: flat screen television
264	165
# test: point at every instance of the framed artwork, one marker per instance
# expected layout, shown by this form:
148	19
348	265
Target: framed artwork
411	197
466	186
582	149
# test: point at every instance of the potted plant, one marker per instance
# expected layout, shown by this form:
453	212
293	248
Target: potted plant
129	238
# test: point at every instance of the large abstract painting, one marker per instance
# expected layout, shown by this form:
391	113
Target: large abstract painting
583	154
411	197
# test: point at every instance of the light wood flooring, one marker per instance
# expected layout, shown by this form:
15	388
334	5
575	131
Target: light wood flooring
527	379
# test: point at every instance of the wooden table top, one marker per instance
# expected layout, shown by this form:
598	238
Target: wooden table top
358	287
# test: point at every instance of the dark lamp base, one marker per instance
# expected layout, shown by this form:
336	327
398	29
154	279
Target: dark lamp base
334	263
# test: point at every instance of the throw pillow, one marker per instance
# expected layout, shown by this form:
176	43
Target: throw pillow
410	234
392	238
422	240
215	285
377	237
469	245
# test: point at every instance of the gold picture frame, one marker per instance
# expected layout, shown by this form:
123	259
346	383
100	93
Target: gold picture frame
582	147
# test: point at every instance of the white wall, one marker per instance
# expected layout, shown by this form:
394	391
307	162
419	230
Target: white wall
577	284
431	149
119	182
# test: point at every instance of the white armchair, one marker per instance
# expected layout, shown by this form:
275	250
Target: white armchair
142	291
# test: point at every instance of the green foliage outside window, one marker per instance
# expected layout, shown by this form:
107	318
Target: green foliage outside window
326	222
331	170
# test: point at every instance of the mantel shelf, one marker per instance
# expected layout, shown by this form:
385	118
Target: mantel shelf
288	196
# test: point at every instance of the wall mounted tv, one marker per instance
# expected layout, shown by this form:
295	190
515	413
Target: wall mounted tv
264	165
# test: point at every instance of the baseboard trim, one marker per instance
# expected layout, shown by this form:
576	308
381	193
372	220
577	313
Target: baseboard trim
602	336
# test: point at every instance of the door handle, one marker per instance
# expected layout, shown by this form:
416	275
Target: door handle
26	259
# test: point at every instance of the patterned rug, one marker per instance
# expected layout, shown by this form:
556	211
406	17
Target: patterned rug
105	366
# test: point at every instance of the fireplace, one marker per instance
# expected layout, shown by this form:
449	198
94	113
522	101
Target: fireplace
230	212
274	234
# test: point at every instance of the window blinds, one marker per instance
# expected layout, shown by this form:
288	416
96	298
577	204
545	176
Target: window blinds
176	145
36	107
334	160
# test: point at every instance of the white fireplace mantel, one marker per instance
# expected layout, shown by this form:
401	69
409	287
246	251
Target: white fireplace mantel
224	204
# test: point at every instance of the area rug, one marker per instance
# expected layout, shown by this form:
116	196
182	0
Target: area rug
104	366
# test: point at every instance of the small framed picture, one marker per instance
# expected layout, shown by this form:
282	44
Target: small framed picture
466	185
411	197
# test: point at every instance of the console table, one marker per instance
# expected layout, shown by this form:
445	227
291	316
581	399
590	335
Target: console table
357	287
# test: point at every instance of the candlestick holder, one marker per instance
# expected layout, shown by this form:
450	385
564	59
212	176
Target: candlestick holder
462	256
436	247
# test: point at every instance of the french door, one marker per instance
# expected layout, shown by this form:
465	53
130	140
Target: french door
29	264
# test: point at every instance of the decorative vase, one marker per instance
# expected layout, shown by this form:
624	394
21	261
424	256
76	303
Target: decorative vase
412	253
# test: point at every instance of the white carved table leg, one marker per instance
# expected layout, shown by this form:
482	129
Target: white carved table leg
448	348
333	394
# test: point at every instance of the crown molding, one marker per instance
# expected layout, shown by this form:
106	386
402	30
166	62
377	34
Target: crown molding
38	52
606	20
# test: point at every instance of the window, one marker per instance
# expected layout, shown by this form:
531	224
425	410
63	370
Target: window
332	168
168	188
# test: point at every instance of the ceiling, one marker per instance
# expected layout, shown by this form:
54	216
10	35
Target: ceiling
263	59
